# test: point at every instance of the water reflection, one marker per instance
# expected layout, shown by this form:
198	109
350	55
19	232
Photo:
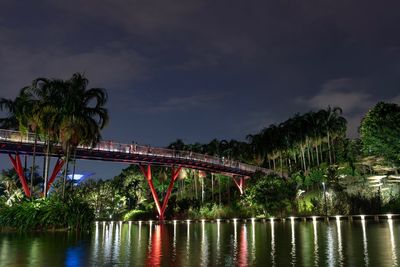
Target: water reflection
273	243
339	240
392	242
242	260
330	247
365	242
316	258
293	241
155	253
210	244
204	246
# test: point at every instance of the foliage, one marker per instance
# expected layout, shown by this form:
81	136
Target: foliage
380	131
393	206
215	211
137	215
47	214
270	195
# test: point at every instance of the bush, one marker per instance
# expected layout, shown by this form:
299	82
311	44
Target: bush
218	212
134	215
46	214
393	206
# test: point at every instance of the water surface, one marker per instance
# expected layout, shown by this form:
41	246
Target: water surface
290	243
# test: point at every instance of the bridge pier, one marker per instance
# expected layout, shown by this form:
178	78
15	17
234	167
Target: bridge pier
56	170
16	162
174	175
240	183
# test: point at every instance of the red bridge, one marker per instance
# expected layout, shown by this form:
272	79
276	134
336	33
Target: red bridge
15	143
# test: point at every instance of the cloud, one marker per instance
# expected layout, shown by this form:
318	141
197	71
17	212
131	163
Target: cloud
344	92
351	96
180	103
105	67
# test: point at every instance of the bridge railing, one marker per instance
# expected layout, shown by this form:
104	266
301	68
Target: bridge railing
17	136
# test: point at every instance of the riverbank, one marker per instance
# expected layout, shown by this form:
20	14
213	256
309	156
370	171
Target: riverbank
350	218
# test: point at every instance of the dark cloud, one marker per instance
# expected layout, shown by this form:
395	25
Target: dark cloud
203	69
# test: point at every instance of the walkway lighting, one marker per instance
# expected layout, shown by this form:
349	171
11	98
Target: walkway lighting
389	216
326	204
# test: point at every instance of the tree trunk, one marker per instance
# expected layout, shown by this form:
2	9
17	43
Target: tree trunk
33	163
329	149
316	150
304	159
273	161
202	190
65	171
195	185
46	168
212	187
219	189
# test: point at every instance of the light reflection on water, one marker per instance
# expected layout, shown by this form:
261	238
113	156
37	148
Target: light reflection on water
365	242
237	243
392	242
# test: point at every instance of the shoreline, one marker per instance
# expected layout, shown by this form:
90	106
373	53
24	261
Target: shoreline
350	218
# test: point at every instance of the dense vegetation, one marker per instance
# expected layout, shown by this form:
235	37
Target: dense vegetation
65	112
317	169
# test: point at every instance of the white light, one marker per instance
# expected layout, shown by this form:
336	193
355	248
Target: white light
292	218
188	221
253	220
389	216
174	222
218	220
234	220
362	217
203	221
314	218
140	222
337	217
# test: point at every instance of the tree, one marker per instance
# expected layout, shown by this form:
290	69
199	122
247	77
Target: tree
68	112
380	132
271	194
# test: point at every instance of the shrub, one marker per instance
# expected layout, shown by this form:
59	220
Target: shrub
45	214
137	215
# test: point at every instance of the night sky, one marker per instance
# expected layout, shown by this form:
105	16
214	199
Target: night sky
199	70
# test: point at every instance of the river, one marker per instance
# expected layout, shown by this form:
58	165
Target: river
266	243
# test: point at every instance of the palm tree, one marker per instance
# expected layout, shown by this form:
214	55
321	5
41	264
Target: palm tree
82	116
334	124
68	112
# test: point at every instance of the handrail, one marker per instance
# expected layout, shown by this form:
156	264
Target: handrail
107	145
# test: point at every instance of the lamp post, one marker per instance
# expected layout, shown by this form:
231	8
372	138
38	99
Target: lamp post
326	207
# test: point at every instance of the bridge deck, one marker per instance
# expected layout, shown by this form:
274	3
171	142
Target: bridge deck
14	141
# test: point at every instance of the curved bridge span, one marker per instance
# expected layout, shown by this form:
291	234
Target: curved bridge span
15	143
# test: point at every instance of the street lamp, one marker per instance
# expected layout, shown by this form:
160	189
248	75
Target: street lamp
326	206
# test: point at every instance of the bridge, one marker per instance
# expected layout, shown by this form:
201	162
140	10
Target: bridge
15	143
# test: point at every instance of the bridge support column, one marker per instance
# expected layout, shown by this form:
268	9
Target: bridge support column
174	175
56	170
16	162
240	183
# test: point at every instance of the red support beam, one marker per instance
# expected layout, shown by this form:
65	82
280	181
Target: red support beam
147	173
239	184
53	176
174	175
18	168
